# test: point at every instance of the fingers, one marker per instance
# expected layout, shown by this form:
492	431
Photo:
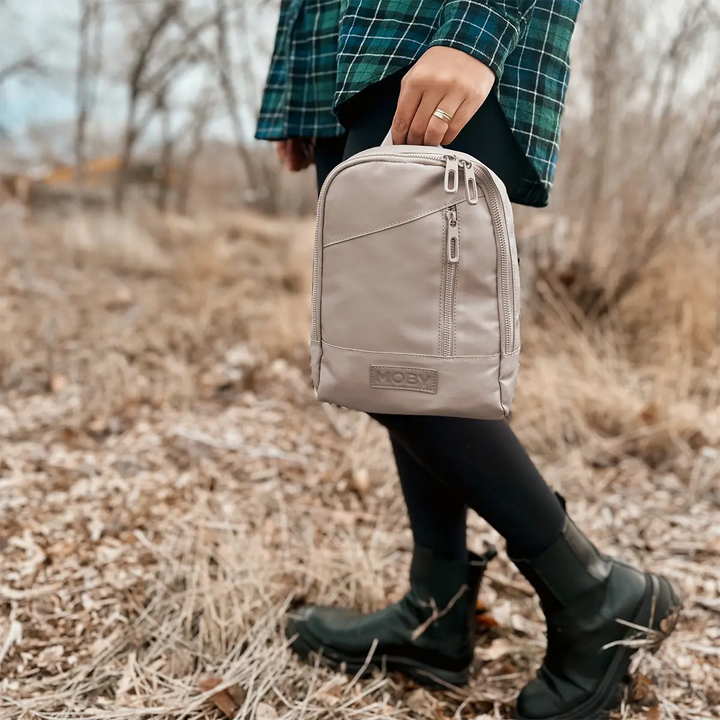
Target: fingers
460	119
304	153
295	154
287	155
410	96
428	129
281	147
419	124
414	122
437	128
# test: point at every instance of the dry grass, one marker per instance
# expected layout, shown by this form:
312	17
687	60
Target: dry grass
168	488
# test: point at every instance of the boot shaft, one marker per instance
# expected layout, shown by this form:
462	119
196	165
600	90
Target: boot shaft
570	569
443	596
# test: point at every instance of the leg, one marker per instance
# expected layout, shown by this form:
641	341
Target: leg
438	518
485	464
444	578
583	593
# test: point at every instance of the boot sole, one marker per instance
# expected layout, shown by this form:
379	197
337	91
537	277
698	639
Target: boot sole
419	672
609	695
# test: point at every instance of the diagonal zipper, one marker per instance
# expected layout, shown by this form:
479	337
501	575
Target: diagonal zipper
450	269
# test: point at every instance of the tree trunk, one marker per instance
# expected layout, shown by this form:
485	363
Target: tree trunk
129	138
163	182
81	95
255	172
201	115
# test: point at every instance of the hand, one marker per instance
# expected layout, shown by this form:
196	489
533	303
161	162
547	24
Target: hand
296	153
442	78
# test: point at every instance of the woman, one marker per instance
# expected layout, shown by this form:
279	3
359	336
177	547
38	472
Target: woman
487	77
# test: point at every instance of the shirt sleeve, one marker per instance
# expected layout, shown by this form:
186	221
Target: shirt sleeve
488	30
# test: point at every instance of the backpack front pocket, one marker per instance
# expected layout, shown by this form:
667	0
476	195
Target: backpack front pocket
379	291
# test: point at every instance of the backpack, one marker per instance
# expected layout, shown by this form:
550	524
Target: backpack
415	293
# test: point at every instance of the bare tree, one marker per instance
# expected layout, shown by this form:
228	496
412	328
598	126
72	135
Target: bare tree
247	78
228	86
646	143
164	47
147	38
167	150
15	60
88	69
200	114
238	80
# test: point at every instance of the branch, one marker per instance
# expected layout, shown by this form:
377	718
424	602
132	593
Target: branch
161	75
169	10
201	50
24	65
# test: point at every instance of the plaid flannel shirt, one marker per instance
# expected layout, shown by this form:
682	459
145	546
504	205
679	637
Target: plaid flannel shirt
326	51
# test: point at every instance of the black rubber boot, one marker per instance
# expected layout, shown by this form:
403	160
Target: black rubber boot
429	635
599	611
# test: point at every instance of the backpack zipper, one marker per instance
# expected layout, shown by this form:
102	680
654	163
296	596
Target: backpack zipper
507	267
450	270
452	173
471	189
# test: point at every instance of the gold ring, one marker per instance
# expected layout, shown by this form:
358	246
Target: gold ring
442	115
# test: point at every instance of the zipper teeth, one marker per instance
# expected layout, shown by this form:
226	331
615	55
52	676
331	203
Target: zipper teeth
449	287
506	266
426	156
316	272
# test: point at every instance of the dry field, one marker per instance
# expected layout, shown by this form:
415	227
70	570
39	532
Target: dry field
168	487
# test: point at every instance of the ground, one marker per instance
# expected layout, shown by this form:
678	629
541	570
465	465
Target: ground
169	488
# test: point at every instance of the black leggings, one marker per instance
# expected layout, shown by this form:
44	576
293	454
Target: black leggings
447	464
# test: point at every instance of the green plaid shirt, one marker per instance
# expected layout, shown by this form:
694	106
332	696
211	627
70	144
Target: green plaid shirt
326	51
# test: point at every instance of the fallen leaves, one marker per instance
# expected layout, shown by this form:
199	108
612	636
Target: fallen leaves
50	656
58	383
642	694
641	688
485	620
228	700
231	699
497	649
360	480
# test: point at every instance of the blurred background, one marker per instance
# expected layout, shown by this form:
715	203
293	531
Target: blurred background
168	486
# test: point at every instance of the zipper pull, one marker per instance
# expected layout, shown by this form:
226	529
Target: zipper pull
452	172
471	189
453	236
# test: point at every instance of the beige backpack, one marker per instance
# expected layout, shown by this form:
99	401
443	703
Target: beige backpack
416	297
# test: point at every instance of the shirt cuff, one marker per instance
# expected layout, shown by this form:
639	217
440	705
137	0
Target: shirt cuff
478	29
